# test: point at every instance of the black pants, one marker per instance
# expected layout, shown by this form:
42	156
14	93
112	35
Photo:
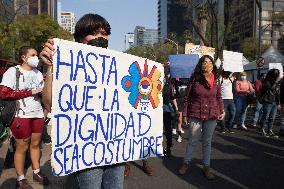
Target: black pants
168	128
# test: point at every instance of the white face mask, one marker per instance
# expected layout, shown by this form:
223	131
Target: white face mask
33	61
243	78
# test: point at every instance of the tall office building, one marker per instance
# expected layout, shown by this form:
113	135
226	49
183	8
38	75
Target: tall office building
59	13
11	9
246	22
174	16
68	21
129	40
143	36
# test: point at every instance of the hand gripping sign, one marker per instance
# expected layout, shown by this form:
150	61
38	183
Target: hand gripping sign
106	107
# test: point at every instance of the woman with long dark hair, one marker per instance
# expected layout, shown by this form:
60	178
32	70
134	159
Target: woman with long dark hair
203	105
270	99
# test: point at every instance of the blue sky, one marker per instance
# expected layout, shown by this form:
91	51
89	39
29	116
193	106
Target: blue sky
123	15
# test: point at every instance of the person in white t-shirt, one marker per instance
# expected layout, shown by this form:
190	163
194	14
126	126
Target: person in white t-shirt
229	106
27	126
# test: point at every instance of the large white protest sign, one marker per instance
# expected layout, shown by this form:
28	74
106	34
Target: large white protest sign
276	66
106	107
233	61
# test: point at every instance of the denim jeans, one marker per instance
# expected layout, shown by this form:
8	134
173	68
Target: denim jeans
195	126
106	177
230	109
241	109
269	114
258	113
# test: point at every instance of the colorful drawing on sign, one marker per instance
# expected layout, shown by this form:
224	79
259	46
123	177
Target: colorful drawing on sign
144	87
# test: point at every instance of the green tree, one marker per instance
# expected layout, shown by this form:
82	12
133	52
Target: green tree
249	48
28	30
158	52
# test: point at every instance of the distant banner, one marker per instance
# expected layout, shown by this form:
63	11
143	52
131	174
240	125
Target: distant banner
276	66
106	107
182	65
233	61
190	48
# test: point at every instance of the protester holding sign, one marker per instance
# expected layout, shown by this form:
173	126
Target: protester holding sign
27	126
270	99
243	88
94	30
203	105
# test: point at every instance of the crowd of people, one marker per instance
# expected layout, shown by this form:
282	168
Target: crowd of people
266	94
207	99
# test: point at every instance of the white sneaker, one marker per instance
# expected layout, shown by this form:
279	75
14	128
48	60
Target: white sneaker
244	127
182	131
235	126
179	139
174	131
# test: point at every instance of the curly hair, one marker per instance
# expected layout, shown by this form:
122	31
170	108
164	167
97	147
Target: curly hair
198	75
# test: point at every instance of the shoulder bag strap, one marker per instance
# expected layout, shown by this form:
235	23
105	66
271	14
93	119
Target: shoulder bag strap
18	75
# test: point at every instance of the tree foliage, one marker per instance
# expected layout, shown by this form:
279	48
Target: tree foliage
28	30
249	48
158	52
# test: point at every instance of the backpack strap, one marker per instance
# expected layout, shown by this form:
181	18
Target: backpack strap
18	75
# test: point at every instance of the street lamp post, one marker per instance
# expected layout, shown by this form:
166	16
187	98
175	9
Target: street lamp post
259	4
175	43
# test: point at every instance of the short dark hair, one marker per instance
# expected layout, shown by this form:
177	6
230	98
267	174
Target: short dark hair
24	50
89	24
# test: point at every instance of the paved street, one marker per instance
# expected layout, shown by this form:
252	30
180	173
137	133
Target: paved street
241	160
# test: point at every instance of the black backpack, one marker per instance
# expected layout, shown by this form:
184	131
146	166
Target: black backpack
9	107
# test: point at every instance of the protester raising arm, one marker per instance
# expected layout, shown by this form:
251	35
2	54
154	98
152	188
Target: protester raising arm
47	90
46	56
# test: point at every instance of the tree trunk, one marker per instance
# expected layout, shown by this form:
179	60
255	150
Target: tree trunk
227	23
203	27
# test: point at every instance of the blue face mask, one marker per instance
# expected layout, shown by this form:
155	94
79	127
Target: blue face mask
243	78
